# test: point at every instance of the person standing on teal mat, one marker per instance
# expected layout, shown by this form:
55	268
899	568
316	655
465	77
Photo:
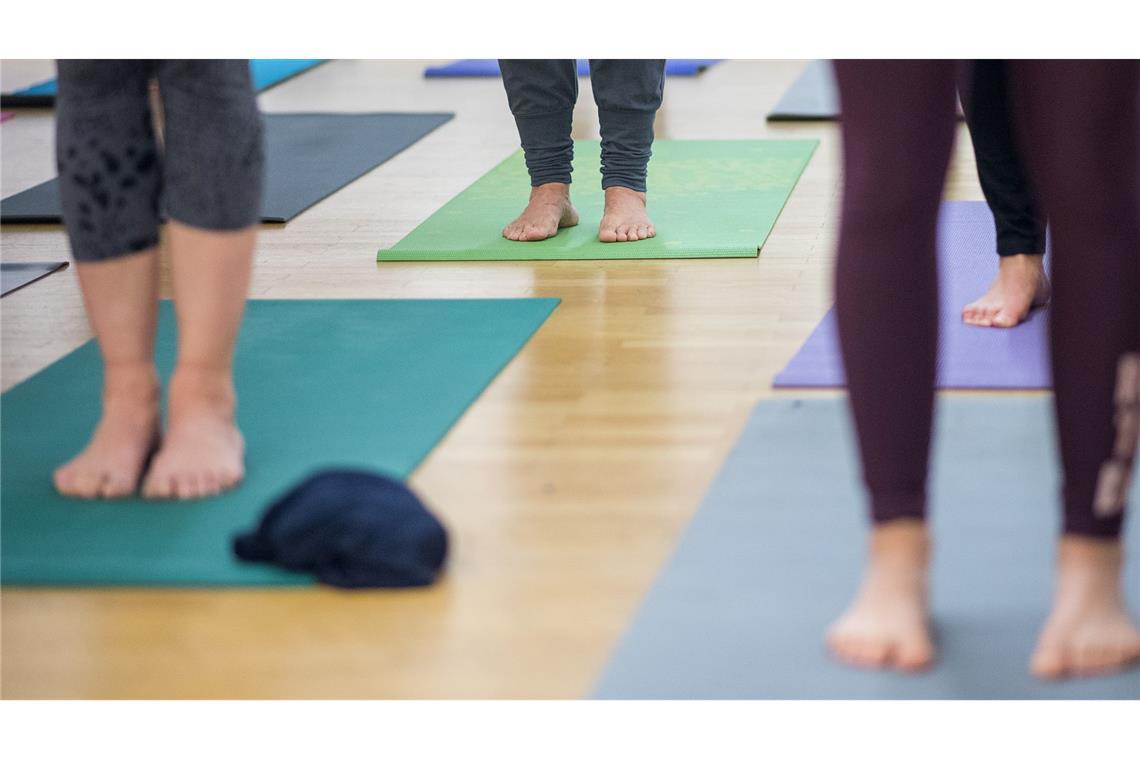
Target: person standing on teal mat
541	95
115	185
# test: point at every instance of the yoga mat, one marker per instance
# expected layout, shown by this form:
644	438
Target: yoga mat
372	384
16	275
774	555
309	156
5	116
708	198
812	97
968	357
266	73
489	67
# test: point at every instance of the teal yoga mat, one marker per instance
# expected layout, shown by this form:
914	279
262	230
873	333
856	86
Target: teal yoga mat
265	72
774	553
374	384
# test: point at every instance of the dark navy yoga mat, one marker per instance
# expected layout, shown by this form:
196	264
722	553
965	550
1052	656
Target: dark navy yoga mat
489	67
774	553
309	156
266	72
968	357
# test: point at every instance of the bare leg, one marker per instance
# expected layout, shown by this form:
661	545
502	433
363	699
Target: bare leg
121	296
202	453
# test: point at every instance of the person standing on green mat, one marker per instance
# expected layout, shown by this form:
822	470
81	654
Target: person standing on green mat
541	95
114	183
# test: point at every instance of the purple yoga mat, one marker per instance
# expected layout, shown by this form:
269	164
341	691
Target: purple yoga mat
968	357
6	115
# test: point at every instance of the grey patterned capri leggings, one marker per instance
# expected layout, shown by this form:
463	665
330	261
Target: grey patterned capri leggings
116	183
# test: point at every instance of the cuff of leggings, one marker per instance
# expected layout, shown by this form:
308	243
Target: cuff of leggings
897	506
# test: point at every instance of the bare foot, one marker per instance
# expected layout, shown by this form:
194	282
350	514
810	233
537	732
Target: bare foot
112	464
1021	285
1089	631
202	452
886	625
548	211
625	218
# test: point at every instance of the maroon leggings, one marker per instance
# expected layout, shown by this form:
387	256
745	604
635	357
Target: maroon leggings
1079	126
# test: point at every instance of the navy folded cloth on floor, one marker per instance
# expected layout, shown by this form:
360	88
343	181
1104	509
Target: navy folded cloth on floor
352	529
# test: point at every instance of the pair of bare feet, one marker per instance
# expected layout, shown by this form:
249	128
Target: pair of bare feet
200	454
1088	632
549	210
1020	286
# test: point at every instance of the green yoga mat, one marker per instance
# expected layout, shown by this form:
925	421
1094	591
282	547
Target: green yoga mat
708	199
374	384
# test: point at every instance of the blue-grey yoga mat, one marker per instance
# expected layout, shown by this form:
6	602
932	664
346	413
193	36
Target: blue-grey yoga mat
489	67
309	156
266	72
968	356
812	97
321	384
773	555
15	275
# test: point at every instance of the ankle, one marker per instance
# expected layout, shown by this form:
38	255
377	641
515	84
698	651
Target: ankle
902	544
550	192
1088	567
194	384
1022	262
617	193
1078	553
131	381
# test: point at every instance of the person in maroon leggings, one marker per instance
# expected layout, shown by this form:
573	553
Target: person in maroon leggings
1080	124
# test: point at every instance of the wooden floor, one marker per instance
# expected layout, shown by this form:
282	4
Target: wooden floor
566	484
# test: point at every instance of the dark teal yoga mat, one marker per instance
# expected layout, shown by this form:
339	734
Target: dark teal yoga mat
774	554
374	384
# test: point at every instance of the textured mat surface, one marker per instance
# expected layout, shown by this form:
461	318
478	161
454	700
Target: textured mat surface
708	199
774	554
374	384
968	357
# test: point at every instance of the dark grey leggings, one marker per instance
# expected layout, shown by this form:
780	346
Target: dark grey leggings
115	182
541	94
